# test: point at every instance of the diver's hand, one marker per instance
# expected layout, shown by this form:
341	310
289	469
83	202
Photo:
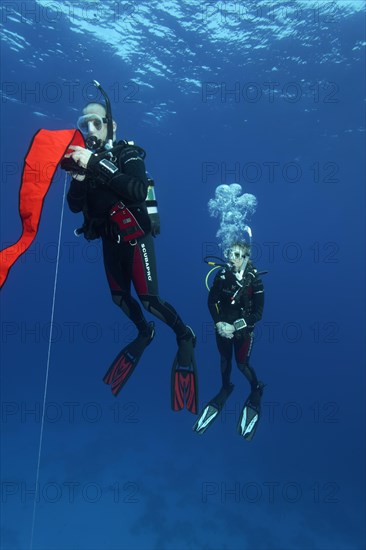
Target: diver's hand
225	329
80	155
155	224
76	176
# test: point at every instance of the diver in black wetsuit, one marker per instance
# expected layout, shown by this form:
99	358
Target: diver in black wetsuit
236	302
105	174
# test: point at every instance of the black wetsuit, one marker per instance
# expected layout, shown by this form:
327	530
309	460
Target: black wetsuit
124	262
228	302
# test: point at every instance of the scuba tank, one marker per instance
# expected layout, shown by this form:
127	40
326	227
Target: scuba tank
152	208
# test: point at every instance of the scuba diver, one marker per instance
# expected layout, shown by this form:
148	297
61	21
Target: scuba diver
110	186
235	301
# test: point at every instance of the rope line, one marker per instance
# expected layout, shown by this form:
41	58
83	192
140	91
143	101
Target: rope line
36	493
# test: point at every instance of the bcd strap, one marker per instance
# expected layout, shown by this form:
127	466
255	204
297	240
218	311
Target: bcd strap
128	227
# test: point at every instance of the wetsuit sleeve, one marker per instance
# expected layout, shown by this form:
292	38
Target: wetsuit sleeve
258	302
214	297
76	196
129	181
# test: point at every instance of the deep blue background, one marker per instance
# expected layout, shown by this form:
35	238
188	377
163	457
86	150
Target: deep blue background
127	473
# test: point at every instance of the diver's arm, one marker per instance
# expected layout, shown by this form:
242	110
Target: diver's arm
258	303
76	196
131	184
213	310
214	298
126	177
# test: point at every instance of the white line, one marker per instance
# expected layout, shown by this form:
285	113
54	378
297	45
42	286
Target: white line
47	368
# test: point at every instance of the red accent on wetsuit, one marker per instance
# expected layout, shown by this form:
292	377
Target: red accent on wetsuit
241	354
46	151
139	275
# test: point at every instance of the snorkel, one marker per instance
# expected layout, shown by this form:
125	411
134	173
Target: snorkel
108	110
92	142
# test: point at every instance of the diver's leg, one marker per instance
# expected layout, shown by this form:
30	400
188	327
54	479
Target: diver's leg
250	413
225	348
118	264
145	280
243	347
212	409
144	277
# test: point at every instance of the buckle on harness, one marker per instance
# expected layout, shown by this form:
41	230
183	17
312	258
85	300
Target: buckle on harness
127	226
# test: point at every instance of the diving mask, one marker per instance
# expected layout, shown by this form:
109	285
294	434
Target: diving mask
236	253
96	120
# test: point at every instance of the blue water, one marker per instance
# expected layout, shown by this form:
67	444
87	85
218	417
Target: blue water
266	94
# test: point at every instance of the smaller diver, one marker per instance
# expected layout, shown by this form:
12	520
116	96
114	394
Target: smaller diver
236	302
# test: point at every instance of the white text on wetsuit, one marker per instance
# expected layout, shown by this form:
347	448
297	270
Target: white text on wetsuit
147	265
